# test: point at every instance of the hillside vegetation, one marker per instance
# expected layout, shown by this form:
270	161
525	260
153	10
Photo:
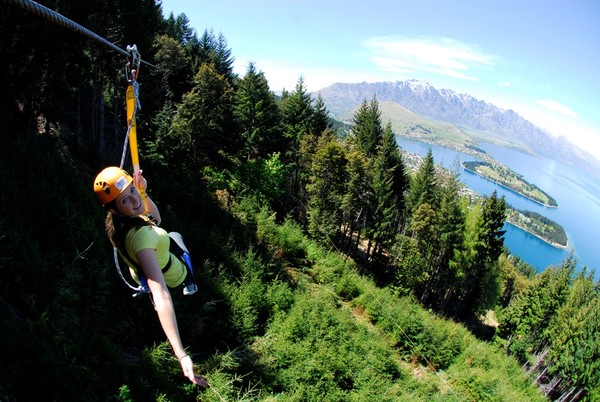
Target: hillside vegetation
327	270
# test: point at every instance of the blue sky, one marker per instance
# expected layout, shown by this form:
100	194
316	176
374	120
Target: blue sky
538	58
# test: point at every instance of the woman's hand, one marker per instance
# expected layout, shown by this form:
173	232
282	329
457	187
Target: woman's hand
150	207
187	365
140	182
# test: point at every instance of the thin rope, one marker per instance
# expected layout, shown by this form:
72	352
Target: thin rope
62	21
140	289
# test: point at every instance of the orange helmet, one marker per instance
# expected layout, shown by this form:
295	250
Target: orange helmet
110	183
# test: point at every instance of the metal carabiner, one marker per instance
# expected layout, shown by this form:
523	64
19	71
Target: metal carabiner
132	67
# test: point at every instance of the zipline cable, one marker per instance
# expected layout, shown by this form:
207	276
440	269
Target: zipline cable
62	21
131	72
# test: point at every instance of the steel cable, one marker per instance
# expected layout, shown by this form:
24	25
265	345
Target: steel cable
62	21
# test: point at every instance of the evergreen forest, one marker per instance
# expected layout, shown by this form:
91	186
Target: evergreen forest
328	268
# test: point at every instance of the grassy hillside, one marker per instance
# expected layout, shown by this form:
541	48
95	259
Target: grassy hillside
277	318
333	335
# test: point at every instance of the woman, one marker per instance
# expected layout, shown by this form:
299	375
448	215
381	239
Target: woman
132	227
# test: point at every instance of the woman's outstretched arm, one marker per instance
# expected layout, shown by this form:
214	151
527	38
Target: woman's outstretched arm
166	312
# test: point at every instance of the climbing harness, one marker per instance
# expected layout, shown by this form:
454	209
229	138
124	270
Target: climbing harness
175	249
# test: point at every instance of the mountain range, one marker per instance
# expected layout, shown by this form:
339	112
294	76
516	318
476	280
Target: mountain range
417	109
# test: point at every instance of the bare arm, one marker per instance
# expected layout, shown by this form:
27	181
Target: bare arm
151	208
165	310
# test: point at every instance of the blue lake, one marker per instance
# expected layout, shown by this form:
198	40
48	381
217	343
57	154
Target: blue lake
576	192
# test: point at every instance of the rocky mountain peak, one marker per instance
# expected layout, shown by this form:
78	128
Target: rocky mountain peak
461	110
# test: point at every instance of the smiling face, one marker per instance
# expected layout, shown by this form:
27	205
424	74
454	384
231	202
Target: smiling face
129	202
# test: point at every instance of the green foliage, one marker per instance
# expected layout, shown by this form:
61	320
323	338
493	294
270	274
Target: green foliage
419	335
263	178
409	265
280	315
526	319
357	197
318	352
367	129
258	116
325	190
424	185
480	287
124	394
388	189
202	132
170	55
487	376
575	339
286	239
321	122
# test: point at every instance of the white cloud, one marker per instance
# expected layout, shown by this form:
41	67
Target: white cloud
505	84
440	56
283	74
557	107
558	124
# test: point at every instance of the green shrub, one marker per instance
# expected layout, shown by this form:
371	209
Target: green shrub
486	374
318	352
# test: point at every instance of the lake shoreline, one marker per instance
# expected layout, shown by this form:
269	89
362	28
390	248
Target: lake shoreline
555	245
509	189
576	193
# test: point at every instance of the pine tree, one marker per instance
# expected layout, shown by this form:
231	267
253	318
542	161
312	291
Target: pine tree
212	49
179	29
574	336
173	63
480	288
443	274
367	129
397	168
389	183
526	319
385	212
326	189
320	120
202	132
424	186
356	197
258	115
494	216
297	116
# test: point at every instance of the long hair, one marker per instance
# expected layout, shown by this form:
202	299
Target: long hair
117	227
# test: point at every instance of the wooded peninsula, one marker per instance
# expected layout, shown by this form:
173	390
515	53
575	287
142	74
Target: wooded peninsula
539	226
511	180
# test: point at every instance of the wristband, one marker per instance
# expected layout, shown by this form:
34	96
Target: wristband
185	355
